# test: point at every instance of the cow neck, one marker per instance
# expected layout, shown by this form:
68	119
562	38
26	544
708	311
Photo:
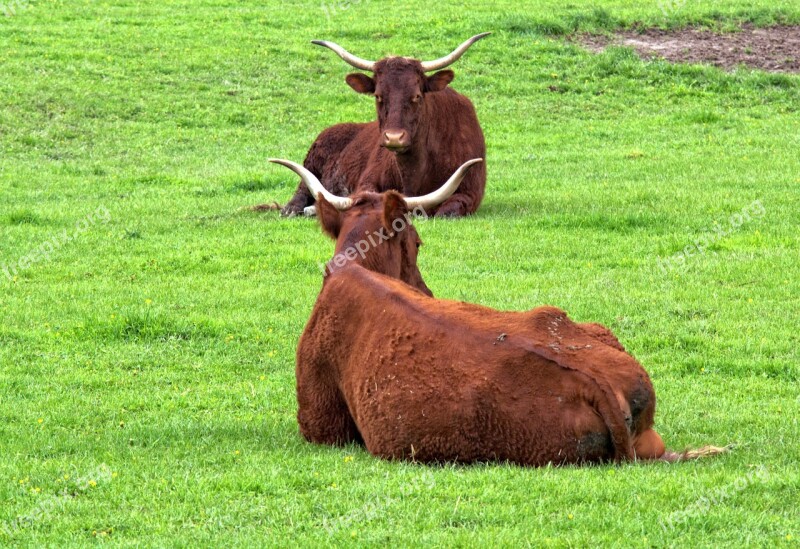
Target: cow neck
359	238
351	266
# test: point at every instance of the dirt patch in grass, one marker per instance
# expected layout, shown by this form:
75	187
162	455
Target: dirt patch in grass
774	49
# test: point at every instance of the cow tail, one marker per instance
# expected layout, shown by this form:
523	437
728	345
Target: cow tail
607	406
605	403
699	453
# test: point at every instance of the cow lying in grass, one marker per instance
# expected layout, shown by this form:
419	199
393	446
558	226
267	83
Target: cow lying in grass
383	363
423	132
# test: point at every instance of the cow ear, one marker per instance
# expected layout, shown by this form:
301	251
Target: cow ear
329	217
394	207
360	82
439	81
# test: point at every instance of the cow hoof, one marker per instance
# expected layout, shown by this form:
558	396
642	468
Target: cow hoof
310	211
448	213
290	211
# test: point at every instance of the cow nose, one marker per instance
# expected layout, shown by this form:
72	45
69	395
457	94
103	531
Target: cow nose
394	140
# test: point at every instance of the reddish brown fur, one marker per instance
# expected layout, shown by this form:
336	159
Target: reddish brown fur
385	364
440	131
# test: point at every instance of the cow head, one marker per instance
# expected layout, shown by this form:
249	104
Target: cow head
400	86
375	230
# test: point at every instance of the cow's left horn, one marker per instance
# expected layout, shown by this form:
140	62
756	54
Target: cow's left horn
431	200
313	184
448	60
357	62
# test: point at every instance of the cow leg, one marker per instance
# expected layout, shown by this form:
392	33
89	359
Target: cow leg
323	414
455	206
468	197
315	163
302	196
325	150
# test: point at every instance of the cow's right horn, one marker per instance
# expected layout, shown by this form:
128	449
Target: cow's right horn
357	62
431	200
313	184
448	60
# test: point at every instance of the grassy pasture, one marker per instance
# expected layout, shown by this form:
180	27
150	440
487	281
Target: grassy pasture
149	322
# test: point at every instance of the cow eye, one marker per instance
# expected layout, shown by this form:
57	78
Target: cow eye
418	244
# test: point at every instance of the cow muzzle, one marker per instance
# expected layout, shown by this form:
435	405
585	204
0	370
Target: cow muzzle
396	141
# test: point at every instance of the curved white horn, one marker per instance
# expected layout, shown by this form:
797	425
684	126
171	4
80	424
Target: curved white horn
453	57
357	62
313	184
441	194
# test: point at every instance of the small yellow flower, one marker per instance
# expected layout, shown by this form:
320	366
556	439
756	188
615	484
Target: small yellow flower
236	452
788	537
66	477
348	459
262	378
271	353
40	420
570	516
92	483
114	474
334	485
750	300
148	301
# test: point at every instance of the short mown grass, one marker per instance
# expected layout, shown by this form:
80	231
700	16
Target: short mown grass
147	360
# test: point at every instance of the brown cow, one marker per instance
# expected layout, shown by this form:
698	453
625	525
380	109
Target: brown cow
383	363
424	131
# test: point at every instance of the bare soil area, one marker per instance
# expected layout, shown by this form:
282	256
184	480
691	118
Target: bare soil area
774	49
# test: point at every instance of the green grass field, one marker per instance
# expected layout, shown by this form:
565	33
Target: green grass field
149	320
